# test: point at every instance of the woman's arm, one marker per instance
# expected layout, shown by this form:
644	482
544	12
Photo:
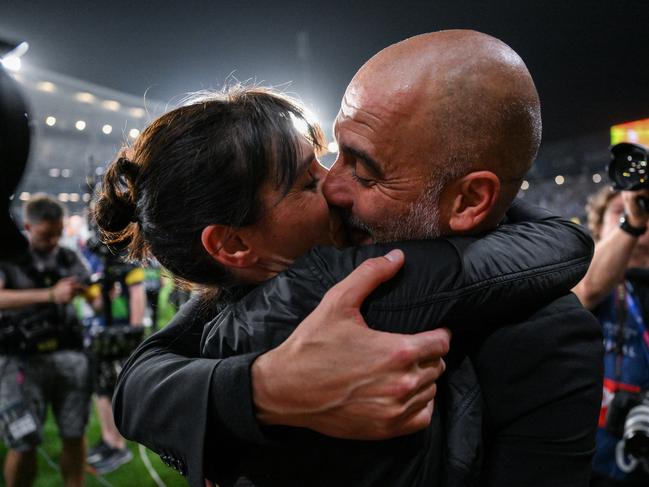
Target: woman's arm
184	407
458	282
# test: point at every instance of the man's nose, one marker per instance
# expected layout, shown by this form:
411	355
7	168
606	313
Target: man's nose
337	188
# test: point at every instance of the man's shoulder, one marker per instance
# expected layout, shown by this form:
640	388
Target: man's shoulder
567	310
553	357
561	331
561	317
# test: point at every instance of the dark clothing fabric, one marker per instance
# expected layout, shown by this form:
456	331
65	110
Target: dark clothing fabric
200	411
522	400
601	481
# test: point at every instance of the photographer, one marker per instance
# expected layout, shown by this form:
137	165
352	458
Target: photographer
41	361
616	289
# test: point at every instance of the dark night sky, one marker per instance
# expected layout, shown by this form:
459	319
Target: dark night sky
590	59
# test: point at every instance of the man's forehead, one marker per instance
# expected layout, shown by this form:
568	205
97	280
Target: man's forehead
370	115
375	99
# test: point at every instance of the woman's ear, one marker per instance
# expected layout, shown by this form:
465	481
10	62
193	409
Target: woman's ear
227	247
472	200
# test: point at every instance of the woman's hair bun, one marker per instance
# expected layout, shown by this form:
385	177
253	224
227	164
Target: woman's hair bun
116	205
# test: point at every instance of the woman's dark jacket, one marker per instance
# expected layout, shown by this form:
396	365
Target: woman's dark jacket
540	371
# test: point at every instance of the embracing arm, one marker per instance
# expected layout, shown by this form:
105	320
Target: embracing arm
453	282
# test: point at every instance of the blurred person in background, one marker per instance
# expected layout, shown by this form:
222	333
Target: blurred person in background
616	289
41	361
127	301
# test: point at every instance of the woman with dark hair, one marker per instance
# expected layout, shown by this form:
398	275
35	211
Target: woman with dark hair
226	193
206	183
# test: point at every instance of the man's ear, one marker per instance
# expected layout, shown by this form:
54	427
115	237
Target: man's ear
472	199
227	247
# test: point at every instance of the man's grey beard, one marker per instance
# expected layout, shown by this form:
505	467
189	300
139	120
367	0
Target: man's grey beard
421	222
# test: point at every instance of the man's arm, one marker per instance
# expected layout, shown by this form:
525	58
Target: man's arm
612	254
181	405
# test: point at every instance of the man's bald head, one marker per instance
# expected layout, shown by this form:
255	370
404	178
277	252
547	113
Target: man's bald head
469	94
435	135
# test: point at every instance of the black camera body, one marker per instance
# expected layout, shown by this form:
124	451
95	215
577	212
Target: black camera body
629	169
628	418
39	332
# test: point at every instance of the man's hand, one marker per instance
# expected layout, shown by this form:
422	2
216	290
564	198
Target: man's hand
338	377
635	215
64	290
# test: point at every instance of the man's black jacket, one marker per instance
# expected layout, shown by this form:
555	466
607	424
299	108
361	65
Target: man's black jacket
181	406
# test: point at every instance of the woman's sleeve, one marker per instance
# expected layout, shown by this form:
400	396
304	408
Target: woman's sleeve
187	408
464	283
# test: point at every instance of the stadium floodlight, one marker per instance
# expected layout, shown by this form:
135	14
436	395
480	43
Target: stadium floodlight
107	129
111	105
85	97
11	63
46	86
80	125
11	59
559	180
50	121
332	147
133	133
525	185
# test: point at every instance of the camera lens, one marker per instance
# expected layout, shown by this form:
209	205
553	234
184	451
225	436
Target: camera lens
629	169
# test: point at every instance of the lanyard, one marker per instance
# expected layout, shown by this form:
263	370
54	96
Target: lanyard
634	309
625	295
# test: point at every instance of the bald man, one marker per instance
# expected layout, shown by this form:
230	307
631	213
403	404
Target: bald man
436	134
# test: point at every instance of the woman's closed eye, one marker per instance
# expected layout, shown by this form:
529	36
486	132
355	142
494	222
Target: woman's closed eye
312	184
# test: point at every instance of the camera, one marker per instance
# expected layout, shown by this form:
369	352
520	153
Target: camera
629	169
45	330
636	429
628	418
